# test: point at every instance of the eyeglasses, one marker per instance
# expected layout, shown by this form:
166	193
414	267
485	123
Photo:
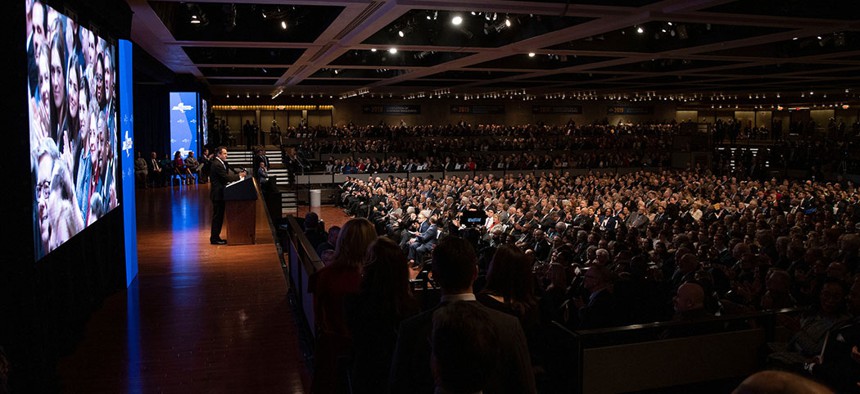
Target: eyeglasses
43	188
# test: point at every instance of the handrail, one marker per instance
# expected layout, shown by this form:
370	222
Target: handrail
303	262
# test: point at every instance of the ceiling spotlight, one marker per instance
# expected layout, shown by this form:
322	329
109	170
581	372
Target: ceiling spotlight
507	22
819	37
794	39
194	19
228	95
373	49
392	51
400	33
640	30
258	95
531	54
284	25
670	23
429	17
457	20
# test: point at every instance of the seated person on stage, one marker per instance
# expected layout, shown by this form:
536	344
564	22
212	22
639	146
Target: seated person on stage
455	270
181	169
155	170
192	164
140	169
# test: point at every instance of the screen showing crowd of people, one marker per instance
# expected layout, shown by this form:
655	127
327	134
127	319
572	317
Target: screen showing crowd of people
72	114
526	251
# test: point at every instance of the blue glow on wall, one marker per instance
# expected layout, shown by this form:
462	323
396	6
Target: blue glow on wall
126	135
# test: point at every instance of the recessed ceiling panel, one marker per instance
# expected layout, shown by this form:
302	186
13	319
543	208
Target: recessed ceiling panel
540	61
242	72
484	29
824	9
384	57
244	22
664	36
213	55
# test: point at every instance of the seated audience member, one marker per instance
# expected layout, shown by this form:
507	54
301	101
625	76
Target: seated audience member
811	330
423	242
383	301
454	270
600	310
465	348
330	287
140	170
313	231
839	363
690	302
329	244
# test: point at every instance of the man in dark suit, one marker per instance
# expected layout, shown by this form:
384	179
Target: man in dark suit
219	176
455	270
839	362
423	241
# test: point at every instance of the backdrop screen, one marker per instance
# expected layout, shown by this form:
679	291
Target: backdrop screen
204	121
183	123
72	113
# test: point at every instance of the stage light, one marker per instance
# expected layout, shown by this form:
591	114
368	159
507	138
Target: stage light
531	54
457	20
373	49
400	33
640	30
507	22
392	51
284	25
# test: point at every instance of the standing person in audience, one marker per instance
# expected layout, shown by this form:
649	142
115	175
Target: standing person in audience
455	270
466	348
330	287
384	300
219	177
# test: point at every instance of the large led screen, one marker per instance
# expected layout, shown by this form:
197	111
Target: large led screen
72	113
128	159
183	123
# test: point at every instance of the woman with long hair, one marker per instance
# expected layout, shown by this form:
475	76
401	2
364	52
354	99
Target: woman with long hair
384	300
331	286
59	107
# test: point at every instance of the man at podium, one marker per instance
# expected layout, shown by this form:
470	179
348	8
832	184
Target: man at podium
220	175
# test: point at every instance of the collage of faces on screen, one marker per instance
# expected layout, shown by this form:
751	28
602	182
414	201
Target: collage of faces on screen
72	113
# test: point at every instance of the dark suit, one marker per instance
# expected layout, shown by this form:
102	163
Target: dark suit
219	177
423	243
410	367
837	368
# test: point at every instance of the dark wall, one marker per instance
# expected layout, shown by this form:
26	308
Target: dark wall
44	305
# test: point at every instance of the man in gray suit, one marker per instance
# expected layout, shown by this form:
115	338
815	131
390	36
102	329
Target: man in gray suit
454	270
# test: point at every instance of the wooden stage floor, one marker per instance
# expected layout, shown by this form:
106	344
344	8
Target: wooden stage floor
198	318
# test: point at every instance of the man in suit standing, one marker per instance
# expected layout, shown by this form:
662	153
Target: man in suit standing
454	270
219	177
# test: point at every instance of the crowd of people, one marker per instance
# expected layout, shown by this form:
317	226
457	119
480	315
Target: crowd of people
608	249
72	117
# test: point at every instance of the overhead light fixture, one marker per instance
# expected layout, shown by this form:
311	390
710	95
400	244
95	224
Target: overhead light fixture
195	20
640	30
400	33
794	39
457	20
284	25
228	95
531	54
507	22
373	49
392	51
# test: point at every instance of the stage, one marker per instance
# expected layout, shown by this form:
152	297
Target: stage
199	317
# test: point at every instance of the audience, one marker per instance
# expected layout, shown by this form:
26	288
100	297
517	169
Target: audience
330	287
598	249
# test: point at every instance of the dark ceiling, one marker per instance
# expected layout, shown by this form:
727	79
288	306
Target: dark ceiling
583	48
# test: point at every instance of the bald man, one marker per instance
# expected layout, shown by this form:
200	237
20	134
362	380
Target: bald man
779	382
690	301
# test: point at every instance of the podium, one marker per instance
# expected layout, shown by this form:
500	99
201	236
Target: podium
241	211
